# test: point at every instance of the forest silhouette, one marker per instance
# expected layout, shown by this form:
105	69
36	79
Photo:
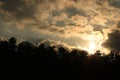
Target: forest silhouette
61	63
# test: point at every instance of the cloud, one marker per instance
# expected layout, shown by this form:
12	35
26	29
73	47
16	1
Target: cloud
19	9
114	3
72	11
113	40
109	23
60	23
98	28
21	34
69	21
49	42
56	12
118	24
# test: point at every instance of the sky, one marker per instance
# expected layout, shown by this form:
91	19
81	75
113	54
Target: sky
85	24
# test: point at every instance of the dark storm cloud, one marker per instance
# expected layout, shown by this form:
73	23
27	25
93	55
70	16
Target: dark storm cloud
72	11
19	9
113	40
114	3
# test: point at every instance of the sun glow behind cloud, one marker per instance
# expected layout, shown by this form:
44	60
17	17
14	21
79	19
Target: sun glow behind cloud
94	42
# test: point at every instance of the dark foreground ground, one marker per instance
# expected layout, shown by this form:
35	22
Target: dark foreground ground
58	69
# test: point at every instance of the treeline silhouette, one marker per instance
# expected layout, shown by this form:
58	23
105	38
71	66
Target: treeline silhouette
60	62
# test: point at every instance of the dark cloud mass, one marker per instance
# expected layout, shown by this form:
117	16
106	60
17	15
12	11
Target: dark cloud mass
114	3
113	40
72	11
19	9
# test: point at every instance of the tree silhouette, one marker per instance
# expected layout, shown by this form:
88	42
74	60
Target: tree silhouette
12	40
25	48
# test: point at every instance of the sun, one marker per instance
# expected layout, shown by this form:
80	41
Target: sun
92	47
93	43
